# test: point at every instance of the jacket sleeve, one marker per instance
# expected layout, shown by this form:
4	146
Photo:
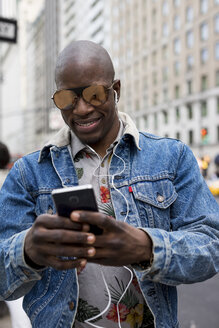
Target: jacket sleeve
17	214
190	251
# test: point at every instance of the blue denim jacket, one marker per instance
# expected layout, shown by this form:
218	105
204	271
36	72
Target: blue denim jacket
168	199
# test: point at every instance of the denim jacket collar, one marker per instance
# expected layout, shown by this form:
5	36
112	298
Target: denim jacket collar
63	137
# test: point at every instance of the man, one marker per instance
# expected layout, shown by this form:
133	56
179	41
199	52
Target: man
160	222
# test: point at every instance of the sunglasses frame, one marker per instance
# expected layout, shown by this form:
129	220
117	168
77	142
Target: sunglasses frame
79	93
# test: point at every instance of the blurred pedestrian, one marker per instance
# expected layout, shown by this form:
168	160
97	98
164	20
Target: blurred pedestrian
216	161
205	160
4	161
19	319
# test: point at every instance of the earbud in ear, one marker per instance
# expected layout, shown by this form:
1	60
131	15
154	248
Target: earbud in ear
116	97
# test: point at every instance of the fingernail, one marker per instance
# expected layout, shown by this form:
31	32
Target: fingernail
90	239
91	252
75	216
83	263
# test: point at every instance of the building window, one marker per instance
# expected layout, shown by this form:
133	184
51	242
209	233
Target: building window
154	34
190	62
137	107
204	31
204	55
177	111
154	78
189	111
177	91
176	3
164	52
189	39
177	67
176	23
204	109
216	23
204	82
217	78
165	94
154	15
177	46
145	119
203	6
178	135
218	133
189	14
189	87
165	8
165	117
217	51
165	29
165	73
155	121
218	105
155	99
191	137
154	58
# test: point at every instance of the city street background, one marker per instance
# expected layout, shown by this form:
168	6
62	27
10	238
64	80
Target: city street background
166	53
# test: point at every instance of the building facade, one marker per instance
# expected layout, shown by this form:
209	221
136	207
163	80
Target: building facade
167	56
85	20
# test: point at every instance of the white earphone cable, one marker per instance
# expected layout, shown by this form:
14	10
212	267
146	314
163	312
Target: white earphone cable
125	267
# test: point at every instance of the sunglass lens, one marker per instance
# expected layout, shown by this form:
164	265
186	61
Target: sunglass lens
95	95
65	99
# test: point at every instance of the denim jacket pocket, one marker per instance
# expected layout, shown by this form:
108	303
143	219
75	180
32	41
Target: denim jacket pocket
45	204
153	198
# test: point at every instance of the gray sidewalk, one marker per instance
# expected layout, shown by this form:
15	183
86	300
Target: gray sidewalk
5	322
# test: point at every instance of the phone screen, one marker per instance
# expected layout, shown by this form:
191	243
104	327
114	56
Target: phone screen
76	198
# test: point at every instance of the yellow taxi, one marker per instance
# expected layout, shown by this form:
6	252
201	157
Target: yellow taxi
214	187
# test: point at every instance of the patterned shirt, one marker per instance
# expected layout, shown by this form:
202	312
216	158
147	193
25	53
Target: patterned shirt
96	281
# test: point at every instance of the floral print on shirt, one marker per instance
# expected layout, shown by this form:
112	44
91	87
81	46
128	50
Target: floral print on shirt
131	313
104	194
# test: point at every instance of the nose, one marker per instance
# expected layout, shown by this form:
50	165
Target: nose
82	108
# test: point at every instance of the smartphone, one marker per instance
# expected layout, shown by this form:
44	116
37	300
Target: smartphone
76	198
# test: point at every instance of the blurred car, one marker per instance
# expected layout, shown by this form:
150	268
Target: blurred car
214	187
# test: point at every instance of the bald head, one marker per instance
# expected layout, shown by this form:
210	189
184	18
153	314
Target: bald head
84	57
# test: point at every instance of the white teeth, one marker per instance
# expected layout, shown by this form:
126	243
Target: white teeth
85	124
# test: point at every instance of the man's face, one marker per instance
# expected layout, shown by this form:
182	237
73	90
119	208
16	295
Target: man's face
92	125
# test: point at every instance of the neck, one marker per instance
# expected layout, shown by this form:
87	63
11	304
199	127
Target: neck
102	146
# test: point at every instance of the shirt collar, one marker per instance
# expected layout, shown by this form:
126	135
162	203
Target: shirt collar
63	137
77	145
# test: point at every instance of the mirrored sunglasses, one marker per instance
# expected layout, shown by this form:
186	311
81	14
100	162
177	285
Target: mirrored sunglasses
95	95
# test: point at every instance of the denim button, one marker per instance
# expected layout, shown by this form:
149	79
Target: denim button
71	306
160	198
50	210
57	155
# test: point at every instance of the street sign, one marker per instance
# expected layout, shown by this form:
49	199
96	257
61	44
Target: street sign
8	30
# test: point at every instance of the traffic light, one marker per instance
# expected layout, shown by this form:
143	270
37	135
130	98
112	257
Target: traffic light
204	136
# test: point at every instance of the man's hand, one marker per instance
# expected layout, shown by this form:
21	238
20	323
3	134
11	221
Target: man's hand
52	239
120	244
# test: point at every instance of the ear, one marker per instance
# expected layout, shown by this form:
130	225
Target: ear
117	87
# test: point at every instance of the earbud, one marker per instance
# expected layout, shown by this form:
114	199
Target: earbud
116	97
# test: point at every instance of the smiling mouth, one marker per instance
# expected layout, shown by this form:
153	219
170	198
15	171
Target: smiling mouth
87	124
